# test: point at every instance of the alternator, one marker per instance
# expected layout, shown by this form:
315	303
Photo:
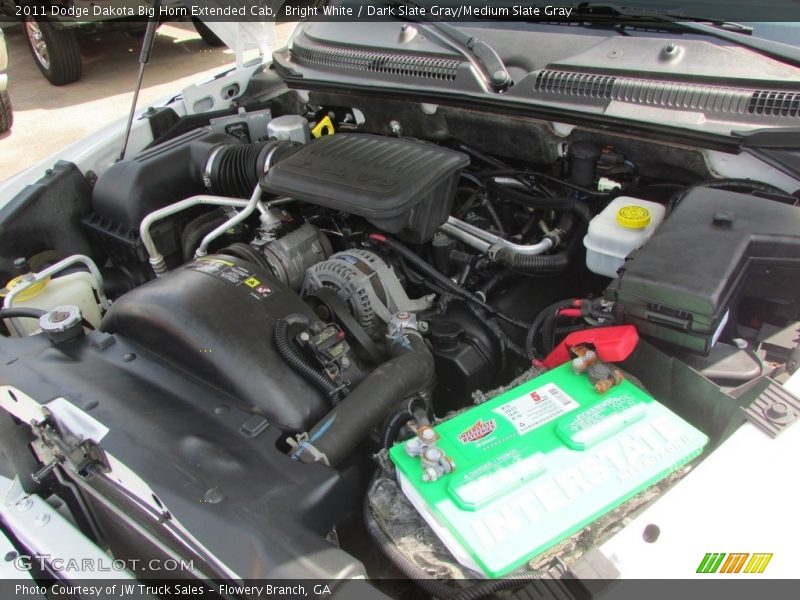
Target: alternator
367	285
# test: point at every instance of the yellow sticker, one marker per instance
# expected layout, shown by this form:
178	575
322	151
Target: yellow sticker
252	282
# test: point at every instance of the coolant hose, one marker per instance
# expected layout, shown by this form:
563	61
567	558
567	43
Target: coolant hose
544	264
565	203
298	363
434	587
338	433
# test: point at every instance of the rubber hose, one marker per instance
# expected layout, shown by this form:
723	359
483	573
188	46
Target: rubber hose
559	203
196	230
743	185
494	282
537	263
299	365
423	579
338	433
537	324
21	313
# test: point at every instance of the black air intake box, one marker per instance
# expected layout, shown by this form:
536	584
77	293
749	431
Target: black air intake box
214	318
716	247
401	186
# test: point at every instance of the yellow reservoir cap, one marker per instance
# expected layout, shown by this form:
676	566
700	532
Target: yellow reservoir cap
30	292
633	217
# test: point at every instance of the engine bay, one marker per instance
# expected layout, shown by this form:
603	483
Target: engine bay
308	303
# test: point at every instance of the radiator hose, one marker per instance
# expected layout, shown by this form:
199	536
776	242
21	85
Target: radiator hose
336	435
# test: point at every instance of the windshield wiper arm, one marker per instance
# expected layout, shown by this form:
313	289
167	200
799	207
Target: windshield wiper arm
489	62
724	30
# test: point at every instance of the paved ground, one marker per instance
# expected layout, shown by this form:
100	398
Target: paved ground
47	118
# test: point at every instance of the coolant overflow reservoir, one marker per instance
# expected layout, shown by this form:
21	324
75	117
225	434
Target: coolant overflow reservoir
75	289
625	225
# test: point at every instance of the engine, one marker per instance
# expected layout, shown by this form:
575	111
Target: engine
429	306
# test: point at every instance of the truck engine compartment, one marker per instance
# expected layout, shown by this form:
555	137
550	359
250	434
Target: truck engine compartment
293	316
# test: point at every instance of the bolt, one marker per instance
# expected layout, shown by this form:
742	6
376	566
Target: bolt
24	504
423	326
396	128
129	357
222	410
427	434
500	77
777	412
41	520
304	337
345	362
433	454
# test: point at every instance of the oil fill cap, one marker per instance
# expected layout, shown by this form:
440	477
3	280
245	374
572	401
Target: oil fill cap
633	217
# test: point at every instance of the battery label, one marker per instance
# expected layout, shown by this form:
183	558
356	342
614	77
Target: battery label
534	409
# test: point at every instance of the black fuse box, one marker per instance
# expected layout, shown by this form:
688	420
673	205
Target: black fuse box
715	247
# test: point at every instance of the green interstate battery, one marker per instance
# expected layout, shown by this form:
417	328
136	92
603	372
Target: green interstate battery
539	462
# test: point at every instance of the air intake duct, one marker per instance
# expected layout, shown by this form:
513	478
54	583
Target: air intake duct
234	169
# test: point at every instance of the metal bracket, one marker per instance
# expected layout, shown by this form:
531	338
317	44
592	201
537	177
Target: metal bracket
84	456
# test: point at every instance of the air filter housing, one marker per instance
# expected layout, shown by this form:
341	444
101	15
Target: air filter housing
401	186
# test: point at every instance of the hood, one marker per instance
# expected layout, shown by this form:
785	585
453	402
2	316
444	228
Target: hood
242	32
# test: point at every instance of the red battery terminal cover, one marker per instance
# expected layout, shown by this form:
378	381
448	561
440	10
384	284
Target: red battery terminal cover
610	344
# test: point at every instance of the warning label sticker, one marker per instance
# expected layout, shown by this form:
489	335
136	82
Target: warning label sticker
534	409
233	274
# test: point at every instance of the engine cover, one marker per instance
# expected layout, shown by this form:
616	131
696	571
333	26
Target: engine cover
214	318
401	186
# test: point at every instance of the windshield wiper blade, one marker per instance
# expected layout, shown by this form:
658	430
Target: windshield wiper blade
724	30
489	62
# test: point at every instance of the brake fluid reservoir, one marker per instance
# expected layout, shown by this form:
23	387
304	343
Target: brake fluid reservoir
74	289
625	225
